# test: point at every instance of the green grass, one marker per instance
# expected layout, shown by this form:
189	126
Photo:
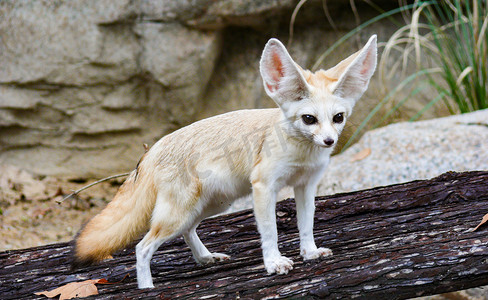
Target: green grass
450	39
441	51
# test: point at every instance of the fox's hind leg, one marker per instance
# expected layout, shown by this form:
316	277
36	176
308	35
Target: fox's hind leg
198	249
166	224
144	252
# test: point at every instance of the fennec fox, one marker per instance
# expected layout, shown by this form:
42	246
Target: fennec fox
197	171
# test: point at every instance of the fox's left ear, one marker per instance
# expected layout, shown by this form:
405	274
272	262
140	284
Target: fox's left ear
354	72
282	78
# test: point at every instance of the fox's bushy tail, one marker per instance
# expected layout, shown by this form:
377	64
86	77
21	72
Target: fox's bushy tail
123	220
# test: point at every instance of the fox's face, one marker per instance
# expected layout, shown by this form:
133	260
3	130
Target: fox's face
319	117
316	105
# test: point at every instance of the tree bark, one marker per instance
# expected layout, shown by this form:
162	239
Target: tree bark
393	242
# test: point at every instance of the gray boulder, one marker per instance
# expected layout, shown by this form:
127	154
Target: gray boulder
84	84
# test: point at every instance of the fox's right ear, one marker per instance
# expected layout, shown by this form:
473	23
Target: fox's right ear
283	81
354	73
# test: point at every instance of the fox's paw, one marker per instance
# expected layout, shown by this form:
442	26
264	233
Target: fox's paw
144	282
316	253
220	256
278	265
212	258
148	286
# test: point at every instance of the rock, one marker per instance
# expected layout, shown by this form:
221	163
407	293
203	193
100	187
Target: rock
84	84
62	43
210	14
182	61
409	151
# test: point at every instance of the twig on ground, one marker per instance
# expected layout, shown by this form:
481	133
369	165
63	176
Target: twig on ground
146	148
90	185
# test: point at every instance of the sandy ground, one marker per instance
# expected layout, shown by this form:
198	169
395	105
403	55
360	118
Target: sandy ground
30	215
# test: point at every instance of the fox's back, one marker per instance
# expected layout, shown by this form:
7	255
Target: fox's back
228	143
216	133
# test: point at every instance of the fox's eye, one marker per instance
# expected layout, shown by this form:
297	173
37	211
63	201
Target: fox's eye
339	118
309	119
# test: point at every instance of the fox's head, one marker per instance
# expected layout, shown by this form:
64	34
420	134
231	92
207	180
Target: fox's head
316	105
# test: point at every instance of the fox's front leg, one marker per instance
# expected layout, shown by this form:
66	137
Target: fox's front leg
265	212
305	203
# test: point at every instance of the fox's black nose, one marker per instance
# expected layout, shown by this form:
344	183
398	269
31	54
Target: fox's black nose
329	142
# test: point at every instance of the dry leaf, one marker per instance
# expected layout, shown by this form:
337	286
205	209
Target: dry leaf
361	154
74	289
483	221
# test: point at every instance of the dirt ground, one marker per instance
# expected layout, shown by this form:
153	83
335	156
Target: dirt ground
30	214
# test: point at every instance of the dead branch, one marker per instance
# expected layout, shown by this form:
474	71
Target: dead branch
393	242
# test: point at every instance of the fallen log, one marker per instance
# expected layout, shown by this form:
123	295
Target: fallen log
393	242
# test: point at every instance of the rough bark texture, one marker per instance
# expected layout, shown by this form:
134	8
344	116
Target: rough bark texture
392	242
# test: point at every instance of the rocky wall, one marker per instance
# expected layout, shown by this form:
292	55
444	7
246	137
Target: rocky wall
83	84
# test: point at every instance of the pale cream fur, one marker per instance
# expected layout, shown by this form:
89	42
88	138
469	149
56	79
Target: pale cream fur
199	170
172	166
123	220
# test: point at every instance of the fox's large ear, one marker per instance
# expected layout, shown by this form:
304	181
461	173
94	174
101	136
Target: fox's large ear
354	72
283	81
